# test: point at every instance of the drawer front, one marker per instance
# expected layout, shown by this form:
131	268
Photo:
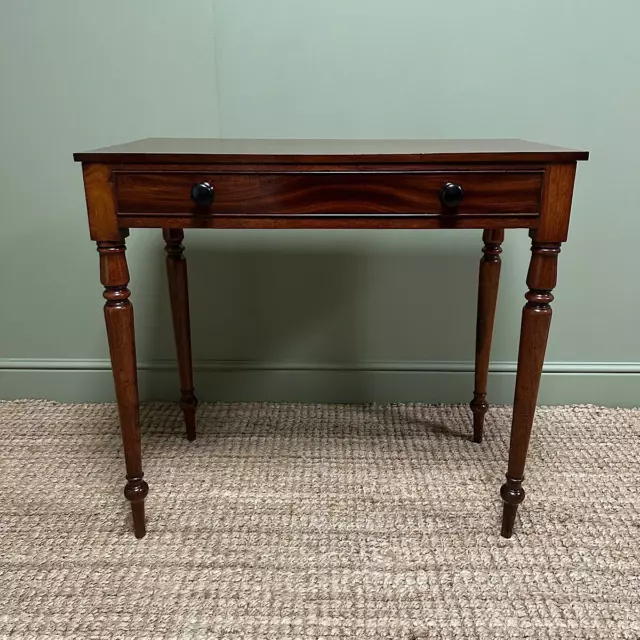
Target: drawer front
327	193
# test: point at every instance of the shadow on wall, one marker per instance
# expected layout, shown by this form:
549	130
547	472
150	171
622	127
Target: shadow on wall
318	323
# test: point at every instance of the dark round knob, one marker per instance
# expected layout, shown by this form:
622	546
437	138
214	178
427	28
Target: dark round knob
451	195
202	194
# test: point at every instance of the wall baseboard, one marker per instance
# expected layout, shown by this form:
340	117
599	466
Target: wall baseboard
77	380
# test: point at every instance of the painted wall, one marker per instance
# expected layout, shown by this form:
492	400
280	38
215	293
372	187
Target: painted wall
77	75
323	315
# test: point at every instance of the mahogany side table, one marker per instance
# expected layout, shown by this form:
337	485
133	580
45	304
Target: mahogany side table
176	184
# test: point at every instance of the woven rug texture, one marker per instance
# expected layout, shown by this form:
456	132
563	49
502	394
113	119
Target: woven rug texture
285	521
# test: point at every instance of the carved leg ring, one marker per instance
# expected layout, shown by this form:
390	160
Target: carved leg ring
118	313
179	296
488	281
536	320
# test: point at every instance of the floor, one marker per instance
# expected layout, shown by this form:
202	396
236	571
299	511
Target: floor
318	521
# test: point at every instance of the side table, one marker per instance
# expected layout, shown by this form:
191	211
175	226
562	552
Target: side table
177	184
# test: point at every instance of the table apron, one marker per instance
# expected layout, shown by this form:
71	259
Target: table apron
307	221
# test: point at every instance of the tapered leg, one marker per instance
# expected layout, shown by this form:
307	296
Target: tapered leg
488	281
179	294
536	319
118	313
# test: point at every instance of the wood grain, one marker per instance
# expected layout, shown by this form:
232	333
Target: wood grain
101	207
324	184
488	281
557	196
179	297
305	151
329	222
305	193
536	320
118	313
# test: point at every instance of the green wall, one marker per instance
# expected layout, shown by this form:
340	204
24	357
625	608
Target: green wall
326	315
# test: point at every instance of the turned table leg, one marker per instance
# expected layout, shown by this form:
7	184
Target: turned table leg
536	319
179	295
118	313
488	280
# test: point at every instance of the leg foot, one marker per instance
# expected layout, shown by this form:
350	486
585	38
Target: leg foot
479	407
509	512
136	491
189	404
512	495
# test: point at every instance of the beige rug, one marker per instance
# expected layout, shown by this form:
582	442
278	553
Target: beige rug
318	521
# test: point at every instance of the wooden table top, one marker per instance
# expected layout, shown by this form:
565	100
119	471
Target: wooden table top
206	150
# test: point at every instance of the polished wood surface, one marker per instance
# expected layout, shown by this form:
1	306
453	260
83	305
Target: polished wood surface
323	184
536	320
204	150
488	281
557	195
118	313
179	296
330	193
377	221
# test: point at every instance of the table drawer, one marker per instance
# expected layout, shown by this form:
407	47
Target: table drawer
328	193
